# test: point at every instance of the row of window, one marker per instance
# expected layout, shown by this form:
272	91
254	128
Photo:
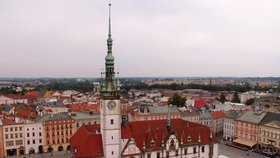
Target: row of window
33	141
59	132
12	136
33	134
57	141
33	129
11	143
271	134
58	127
13	129
78	125
176	152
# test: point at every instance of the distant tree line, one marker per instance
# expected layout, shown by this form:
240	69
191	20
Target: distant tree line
85	86
212	88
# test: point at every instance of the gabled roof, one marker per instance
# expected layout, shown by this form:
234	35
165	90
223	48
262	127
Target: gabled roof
217	114
200	102
270	116
25	113
142	131
6	121
87	143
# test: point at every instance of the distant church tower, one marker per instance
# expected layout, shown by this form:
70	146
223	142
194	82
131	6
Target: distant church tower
110	122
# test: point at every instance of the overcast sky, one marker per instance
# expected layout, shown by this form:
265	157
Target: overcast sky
67	38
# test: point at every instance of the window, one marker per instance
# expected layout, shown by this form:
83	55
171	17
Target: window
158	155
6	136
6	129
28	142
77	125
9	143
148	155
33	134
112	152
202	149
27	134
112	137
40	140
33	141
185	151
15	128
16	135
20	128
11	129
194	150
112	121
40	134
12	136
20	135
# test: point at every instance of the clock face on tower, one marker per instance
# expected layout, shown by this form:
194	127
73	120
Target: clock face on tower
111	105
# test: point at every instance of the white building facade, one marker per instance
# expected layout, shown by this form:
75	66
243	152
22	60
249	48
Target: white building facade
33	134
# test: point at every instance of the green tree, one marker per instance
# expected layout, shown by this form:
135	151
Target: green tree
177	100
235	98
250	101
222	98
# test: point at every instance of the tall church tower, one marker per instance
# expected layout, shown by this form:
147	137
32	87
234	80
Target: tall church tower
110	122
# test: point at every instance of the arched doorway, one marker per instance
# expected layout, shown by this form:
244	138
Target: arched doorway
69	147
21	150
40	149
60	148
31	151
50	149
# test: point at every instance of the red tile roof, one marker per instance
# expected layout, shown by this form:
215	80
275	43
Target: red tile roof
200	102
217	114
142	131
6	121
87	143
33	93
25	113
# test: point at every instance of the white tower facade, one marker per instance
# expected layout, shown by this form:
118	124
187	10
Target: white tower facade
110	121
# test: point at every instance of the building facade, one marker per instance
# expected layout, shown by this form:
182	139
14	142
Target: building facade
229	121
13	139
247	128
33	141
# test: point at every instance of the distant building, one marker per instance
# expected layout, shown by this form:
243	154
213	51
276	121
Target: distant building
190	115
154	113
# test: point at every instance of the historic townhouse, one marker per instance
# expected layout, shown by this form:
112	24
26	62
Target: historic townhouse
218	120
13	135
228	131
33	142
57	131
246	128
269	132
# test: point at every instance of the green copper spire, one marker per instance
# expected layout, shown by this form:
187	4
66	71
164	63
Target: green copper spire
110	84
110	73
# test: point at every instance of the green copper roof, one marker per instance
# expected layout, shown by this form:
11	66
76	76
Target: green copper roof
252	117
